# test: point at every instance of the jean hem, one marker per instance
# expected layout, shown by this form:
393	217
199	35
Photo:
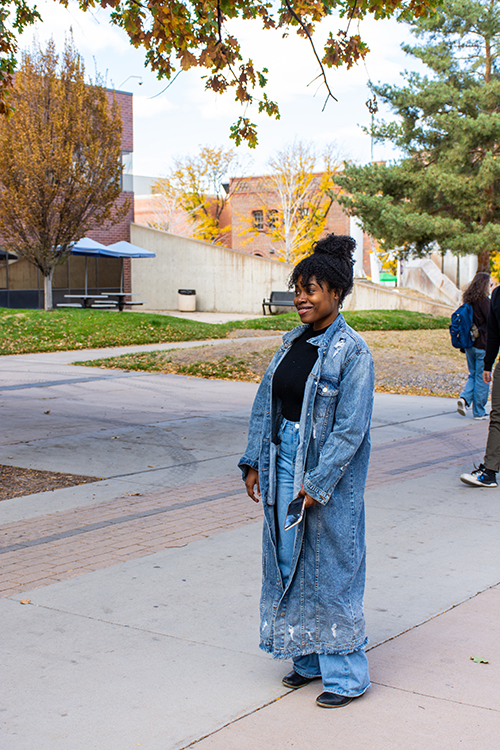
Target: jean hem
349	695
307	676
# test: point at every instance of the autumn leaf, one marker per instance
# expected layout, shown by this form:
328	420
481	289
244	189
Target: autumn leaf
165	30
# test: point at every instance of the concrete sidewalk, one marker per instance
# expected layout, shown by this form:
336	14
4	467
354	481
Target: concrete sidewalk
142	623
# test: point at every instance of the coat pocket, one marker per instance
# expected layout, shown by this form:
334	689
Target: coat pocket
325	403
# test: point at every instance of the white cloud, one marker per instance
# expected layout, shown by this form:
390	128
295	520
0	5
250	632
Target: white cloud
92	30
188	115
145	107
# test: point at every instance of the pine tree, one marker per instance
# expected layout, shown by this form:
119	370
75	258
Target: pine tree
445	190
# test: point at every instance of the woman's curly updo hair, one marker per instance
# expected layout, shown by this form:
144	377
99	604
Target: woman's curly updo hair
331	261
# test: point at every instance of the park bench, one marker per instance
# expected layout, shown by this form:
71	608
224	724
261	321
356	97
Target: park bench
278	299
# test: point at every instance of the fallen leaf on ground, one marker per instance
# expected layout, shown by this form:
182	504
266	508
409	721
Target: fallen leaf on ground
25	601
479	660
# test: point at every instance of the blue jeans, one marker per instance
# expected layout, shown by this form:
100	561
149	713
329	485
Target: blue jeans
476	390
343	675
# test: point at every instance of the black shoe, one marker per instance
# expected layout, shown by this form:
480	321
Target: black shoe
480	477
332	700
294	680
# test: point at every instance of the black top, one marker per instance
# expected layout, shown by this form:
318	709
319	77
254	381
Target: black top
493	337
480	311
289	380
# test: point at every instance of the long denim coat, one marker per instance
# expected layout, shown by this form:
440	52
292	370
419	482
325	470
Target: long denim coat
321	609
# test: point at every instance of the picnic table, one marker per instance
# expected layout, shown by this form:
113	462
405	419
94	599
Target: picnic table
105	299
84	300
120	299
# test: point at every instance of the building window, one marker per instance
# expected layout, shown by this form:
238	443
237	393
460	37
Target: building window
272	219
127	180
258	220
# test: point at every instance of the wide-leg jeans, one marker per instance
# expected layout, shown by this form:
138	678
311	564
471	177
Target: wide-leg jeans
492	455
344	675
476	390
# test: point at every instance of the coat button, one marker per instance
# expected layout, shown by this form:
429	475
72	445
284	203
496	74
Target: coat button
282	614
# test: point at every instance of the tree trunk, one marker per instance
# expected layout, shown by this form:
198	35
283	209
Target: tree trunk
483	262
47	288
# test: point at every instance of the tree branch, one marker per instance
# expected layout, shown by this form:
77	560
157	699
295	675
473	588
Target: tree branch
306	32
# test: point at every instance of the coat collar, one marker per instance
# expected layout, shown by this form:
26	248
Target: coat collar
321	340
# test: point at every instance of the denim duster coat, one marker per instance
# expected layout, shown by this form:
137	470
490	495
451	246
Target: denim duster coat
321	609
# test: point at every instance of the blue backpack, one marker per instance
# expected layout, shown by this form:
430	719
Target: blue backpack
460	328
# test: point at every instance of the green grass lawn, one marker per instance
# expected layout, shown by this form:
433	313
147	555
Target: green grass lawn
26	331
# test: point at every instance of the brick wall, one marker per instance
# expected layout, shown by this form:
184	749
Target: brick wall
109	232
125	101
252	194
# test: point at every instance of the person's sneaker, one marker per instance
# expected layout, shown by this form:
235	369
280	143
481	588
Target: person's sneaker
480	477
461	406
480	419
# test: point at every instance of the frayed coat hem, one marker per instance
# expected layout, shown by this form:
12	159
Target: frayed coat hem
314	648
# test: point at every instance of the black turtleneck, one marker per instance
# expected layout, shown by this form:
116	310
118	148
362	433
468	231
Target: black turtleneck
289	380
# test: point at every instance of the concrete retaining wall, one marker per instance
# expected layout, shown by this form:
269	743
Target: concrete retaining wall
424	276
369	296
232	281
225	280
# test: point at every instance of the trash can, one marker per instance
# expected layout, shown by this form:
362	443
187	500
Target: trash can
186	300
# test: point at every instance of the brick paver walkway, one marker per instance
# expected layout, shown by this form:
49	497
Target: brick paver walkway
43	550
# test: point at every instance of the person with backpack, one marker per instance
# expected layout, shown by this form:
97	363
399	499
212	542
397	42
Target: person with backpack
485	475
476	390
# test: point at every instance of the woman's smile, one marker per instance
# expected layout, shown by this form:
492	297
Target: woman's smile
316	303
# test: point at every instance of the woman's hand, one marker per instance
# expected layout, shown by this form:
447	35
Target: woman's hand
487	376
251	482
310	501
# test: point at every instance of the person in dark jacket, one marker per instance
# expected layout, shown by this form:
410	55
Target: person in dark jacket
476	390
485	474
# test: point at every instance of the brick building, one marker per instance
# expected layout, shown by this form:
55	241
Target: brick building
248	218
21	283
256	206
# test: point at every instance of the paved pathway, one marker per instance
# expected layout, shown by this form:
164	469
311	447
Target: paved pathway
45	549
141	629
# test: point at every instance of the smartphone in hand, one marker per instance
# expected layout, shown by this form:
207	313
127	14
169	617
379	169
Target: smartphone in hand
295	512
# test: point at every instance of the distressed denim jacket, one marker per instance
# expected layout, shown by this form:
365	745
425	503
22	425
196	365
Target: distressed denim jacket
321	609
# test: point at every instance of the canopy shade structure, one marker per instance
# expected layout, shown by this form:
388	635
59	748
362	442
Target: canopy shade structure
86	246
124	249
5	255
121	249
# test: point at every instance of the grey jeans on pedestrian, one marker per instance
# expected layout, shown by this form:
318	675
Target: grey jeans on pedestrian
492	455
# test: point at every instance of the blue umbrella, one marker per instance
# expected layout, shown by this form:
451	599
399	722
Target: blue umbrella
87	247
124	249
121	249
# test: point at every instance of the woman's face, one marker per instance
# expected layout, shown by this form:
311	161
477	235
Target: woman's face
316	303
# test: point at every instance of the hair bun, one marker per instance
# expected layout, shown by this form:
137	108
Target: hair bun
339	246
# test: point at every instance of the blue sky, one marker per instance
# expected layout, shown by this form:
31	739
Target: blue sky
185	116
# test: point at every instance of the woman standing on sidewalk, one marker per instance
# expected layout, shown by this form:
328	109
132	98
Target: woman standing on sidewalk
476	390
309	438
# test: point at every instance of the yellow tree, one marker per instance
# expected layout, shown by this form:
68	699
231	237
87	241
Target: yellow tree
60	160
201	186
296	199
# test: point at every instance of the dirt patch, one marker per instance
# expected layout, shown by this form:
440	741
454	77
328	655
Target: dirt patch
410	362
420	362
16	482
